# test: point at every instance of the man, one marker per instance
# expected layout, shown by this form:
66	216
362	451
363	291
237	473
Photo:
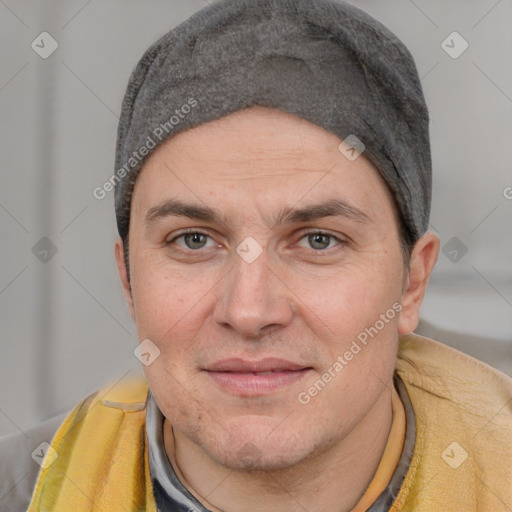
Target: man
272	197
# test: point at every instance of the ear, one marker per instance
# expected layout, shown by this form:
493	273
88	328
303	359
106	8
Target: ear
123	276
423	258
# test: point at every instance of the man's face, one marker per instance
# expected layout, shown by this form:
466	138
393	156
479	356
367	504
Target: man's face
296	253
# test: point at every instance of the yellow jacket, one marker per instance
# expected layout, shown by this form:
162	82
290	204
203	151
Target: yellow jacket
462	459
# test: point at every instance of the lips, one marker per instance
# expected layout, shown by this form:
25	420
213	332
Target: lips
264	365
255	378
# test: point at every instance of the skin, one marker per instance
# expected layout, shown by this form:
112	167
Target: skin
299	300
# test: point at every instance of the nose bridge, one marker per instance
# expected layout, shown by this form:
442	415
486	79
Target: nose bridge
252	297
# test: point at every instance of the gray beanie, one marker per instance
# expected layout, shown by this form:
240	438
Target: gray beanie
325	61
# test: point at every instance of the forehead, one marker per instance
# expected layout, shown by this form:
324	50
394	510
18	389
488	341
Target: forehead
258	156
258	135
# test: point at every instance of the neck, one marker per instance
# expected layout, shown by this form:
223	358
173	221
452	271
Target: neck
332	479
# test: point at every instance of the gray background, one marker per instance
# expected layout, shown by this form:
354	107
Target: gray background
65	329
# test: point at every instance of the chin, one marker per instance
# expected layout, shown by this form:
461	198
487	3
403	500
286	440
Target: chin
256	447
251	459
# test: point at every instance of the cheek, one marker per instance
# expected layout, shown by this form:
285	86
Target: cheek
171	308
168	302
342	303
355	313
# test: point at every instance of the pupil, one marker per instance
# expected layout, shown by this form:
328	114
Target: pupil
195	240
319	241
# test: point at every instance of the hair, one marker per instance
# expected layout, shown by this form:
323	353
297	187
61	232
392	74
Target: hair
126	256
407	241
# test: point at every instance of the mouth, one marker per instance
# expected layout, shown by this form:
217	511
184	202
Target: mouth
256	378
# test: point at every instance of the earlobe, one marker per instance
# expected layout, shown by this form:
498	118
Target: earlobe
123	276
423	260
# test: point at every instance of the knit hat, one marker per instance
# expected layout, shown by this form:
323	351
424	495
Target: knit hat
325	61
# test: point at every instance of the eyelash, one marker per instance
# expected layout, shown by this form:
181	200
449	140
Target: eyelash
193	231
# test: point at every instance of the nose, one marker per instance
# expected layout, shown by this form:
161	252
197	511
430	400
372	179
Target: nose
253	299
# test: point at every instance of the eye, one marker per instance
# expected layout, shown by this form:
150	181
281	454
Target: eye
193	240
319	241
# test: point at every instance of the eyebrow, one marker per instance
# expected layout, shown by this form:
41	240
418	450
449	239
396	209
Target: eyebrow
173	207
330	208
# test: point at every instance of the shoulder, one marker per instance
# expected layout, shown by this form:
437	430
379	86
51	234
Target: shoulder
22	453
452	375
463	414
103	438
19	467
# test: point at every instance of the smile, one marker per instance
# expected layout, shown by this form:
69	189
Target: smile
256	378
